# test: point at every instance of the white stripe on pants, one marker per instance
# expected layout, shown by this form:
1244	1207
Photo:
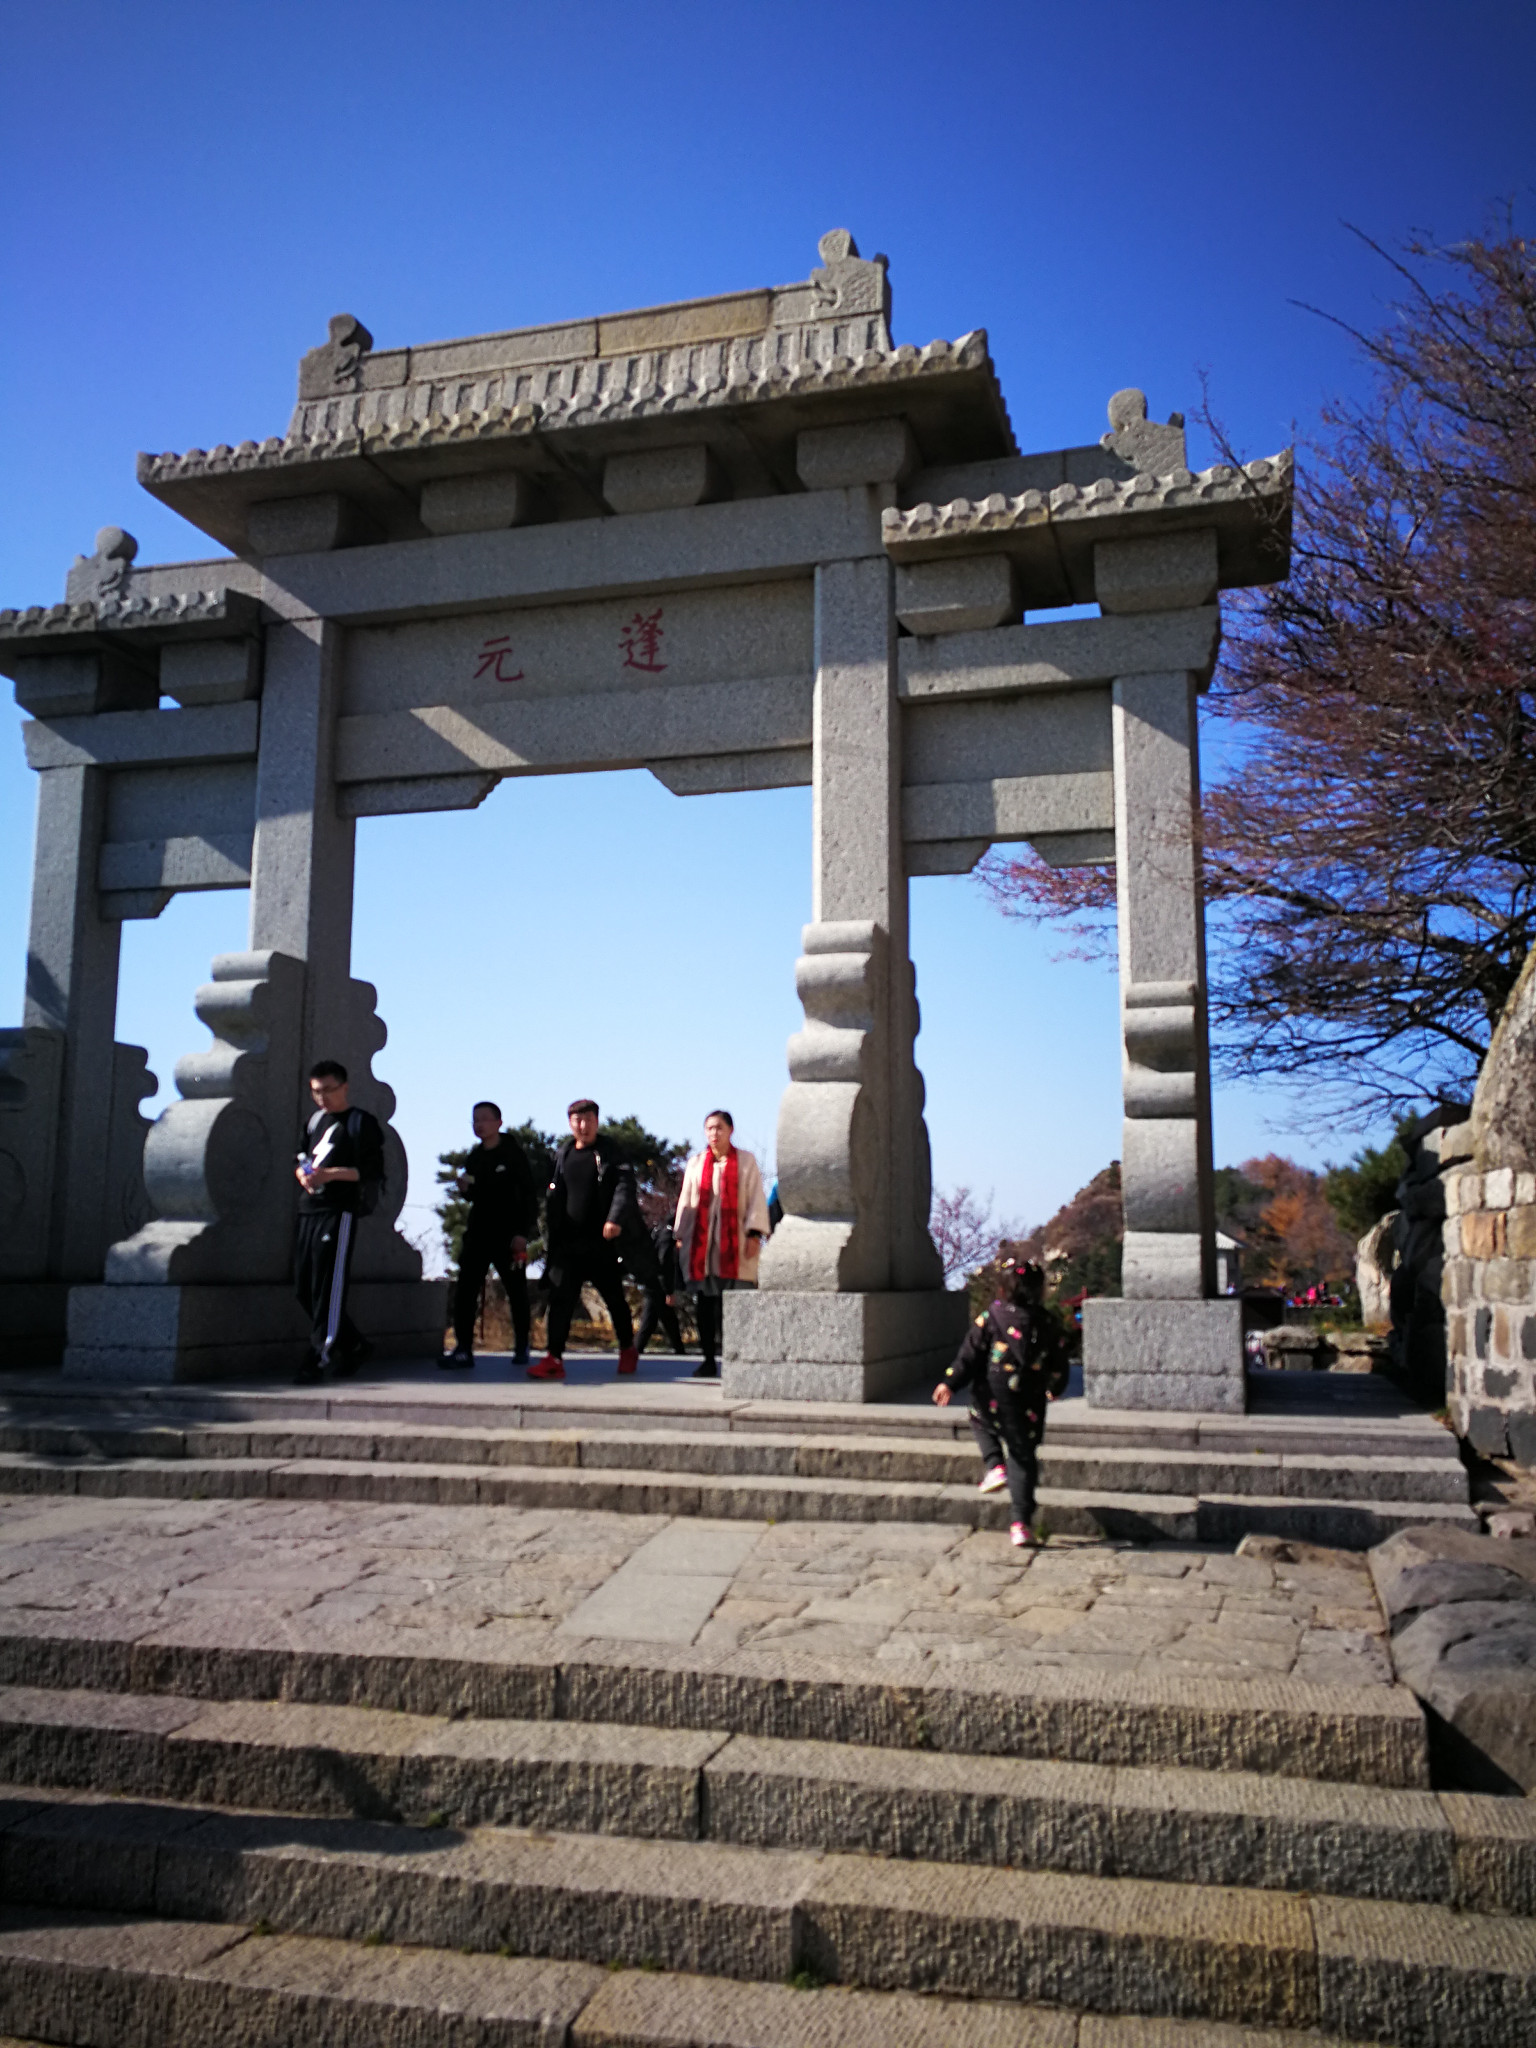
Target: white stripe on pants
338	1284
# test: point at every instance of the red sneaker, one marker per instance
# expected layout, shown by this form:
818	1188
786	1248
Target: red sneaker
549	1368
629	1360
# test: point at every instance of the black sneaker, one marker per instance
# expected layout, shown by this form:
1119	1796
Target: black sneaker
709	1369
522	1355
309	1375
457	1356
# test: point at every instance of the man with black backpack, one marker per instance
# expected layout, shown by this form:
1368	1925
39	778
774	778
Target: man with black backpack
1014	1360
341	1175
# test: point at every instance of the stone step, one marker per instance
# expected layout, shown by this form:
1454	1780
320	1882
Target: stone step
88	1978
1135	1517
1356	1735
1211	1828
1381	1426
1401	1973
1310	1475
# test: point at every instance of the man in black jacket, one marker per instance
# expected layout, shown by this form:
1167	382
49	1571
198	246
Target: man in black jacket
503	1213
592	1198
651	1263
340	1171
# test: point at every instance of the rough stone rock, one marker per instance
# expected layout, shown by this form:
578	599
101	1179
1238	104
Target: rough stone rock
1474	1663
1504	1106
1375	1263
1463	1614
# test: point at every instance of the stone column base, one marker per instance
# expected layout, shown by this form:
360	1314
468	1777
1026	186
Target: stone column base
782	1346
1165	1354
32	1322
225	1331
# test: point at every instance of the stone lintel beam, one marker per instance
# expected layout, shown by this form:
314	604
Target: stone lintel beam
965	595
601	729
198	672
1058	654
141	739
305	526
83	684
870	452
735	542
1009	807
1161	573
1052	536
944	856
718	774
661	479
482	503
220	861
413	793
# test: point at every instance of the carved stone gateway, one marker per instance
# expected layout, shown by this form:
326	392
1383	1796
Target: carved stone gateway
743	542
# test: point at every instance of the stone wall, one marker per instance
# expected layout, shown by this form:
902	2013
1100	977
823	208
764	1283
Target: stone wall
1489	1284
1490	1300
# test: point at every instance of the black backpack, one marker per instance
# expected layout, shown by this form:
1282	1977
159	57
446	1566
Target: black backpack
370	1192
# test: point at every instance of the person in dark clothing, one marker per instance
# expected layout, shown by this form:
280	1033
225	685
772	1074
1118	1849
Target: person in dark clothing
340	1172
503	1214
652	1264
1014	1361
592	1199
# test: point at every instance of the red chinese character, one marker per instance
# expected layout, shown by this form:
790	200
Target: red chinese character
640	642
492	655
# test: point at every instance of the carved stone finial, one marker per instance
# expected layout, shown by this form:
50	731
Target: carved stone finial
338	364
102	576
1139	442
844	285
115	544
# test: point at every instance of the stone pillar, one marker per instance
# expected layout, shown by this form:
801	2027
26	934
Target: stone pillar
71	1136
852	1298
1167	1343
202	1292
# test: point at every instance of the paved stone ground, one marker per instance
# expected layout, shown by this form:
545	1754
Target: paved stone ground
511	1579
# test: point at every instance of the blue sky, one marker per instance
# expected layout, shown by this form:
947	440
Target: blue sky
1119	193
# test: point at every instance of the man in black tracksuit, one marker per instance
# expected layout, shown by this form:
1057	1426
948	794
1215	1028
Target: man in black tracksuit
503	1215
1014	1361
592	1199
340	1172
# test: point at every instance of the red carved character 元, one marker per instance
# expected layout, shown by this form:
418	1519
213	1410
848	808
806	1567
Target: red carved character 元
640	642
492	657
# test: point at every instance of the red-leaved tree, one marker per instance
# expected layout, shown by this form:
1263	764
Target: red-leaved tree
1370	824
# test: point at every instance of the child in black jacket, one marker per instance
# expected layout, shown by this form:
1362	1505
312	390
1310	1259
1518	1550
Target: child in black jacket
1013	1360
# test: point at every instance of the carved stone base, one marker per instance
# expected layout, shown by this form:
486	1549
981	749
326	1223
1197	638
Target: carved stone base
157	1335
32	1322
836	1347
1185	1355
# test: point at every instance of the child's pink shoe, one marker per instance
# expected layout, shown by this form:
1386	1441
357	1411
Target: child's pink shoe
993	1480
1021	1536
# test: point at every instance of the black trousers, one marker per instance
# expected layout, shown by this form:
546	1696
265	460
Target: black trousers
1008	1427
480	1251
322	1266
597	1264
654	1309
709	1314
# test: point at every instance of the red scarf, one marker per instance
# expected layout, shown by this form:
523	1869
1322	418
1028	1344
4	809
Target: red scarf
730	1221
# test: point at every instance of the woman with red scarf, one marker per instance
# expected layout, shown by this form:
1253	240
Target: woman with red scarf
722	1223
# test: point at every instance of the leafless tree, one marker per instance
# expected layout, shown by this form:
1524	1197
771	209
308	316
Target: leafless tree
964	1230
1370	829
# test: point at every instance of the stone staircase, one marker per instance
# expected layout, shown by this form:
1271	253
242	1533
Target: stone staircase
295	1846
1347	1479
